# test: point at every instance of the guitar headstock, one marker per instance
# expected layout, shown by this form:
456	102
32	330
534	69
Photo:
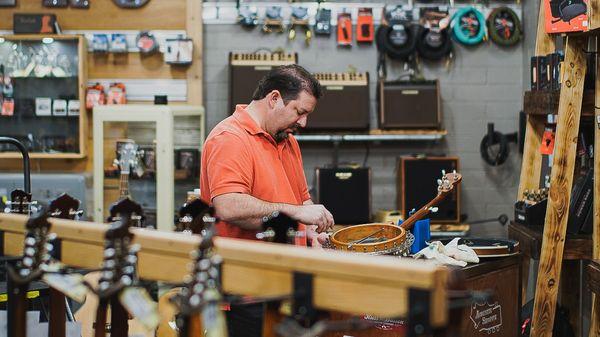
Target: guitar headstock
202	287
119	267
448	181
20	202
128	208
36	250
278	228
127	151
195	216
64	207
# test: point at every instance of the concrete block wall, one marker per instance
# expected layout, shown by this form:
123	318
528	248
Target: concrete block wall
483	84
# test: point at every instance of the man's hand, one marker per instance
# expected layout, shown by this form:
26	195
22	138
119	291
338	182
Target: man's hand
317	239
316	215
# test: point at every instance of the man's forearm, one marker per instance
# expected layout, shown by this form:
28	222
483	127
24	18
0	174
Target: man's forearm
245	210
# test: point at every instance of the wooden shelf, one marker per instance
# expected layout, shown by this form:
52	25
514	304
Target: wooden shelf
577	247
39	155
375	135
546	102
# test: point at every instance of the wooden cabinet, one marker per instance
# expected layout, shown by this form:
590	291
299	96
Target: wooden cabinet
47	75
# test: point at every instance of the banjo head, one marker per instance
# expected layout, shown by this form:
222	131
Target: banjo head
385	238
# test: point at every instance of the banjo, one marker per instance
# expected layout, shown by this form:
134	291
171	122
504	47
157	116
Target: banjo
382	239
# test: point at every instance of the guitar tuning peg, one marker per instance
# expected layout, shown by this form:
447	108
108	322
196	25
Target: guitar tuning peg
109	252
194	255
443	173
187	279
49	247
433	209
198	288
216	259
24	272
135	248
454	172
126	280
51	237
439	182
29	241
195	300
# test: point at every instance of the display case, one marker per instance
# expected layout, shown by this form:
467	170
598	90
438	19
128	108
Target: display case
42	90
161	166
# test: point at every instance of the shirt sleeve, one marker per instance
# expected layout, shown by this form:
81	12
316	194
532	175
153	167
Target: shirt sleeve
228	166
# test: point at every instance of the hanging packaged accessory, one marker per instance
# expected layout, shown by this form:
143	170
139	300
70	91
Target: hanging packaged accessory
468	26
8	3
344	29
118	43
95	96
116	94
43	106
146	42
567	10
7	102
34	23
73	107
323	22
179	51
130	3
248	16
299	19
434	42
59	107
364	25
397	38
504	26
100	43
80	3
273	21
55	3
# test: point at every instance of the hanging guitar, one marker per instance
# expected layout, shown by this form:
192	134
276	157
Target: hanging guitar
36	255
103	311
194	310
382	239
127	150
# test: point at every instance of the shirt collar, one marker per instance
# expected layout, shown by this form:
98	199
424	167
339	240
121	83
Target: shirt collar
249	124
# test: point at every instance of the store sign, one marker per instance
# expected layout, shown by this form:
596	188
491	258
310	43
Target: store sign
486	317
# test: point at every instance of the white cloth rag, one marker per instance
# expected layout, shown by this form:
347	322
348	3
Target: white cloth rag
452	254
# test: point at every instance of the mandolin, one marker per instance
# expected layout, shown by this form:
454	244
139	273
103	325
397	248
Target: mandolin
127	150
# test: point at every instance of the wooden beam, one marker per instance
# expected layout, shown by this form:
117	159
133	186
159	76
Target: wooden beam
352	283
544	42
194	72
560	190
595	318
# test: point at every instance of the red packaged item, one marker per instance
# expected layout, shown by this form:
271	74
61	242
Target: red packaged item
116	94
344	29
95	96
364	26
8	107
566	16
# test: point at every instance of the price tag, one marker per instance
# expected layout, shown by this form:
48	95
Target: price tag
547	145
69	284
139	304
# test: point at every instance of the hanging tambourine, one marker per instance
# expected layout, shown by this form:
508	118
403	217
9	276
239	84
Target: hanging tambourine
434	42
504	26
468	26
398	38
146	42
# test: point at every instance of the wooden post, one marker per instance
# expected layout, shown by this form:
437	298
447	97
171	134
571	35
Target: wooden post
595	319
532	158
569	112
194	30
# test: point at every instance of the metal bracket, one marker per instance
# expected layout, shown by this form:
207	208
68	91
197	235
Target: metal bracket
303	309
419	303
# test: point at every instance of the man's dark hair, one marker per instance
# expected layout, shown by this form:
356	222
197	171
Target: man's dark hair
290	80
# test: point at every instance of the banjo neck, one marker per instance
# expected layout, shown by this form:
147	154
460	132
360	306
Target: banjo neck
423	211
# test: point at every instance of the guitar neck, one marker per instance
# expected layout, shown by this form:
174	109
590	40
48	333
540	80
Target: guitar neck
423	211
124	185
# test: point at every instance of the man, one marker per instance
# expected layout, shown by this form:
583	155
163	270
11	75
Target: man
252	167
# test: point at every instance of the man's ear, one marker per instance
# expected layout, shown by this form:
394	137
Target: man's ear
274	97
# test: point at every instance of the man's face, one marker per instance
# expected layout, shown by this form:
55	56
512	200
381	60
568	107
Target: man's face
288	118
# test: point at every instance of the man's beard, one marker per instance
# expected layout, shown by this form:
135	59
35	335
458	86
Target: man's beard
283	134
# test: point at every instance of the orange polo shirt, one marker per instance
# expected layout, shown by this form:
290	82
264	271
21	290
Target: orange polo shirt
240	157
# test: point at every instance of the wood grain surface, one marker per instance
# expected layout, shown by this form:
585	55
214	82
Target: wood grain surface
560	190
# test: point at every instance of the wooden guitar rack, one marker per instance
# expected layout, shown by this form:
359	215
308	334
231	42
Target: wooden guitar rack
354	284
561	181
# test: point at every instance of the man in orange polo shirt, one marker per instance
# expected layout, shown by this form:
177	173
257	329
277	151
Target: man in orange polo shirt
252	167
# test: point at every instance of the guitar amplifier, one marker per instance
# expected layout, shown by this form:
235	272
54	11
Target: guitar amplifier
417	185
345	102
247	69
346	193
409	104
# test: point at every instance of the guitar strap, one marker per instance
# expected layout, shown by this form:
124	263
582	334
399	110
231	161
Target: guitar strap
119	326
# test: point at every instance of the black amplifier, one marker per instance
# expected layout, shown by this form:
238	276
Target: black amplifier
346	193
409	104
345	102
246	69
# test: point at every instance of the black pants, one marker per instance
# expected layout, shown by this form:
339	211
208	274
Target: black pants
245	320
